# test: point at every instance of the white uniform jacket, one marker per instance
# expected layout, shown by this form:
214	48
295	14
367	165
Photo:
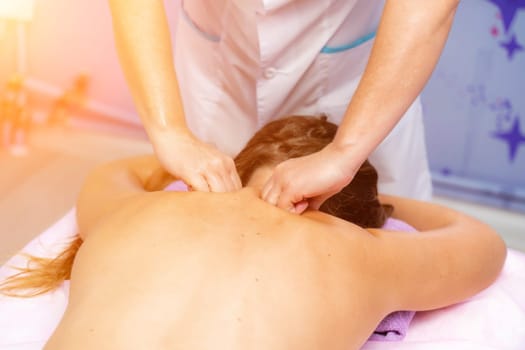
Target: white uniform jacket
243	63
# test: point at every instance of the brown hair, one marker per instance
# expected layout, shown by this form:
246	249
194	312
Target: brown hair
276	142
299	136
41	275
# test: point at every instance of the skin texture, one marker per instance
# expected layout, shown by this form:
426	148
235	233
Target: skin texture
164	270
409	41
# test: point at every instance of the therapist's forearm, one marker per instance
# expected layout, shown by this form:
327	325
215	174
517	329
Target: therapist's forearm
144	47
409	41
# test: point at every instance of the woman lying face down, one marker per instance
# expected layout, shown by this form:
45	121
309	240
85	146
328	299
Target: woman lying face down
278	141
171	270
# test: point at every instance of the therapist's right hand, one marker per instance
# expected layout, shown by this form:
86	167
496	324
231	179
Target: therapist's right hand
202	166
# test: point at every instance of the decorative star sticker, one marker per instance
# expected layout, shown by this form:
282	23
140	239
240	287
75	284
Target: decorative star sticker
513	137
512	46
508	9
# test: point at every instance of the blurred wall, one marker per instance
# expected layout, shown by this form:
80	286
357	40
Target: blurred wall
7	50
475	106
66	38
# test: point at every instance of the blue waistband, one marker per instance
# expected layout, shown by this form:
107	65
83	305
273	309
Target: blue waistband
355	43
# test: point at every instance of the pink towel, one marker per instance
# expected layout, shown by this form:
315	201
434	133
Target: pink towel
394	327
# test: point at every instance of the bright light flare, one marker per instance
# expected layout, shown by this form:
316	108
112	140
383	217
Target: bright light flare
21	10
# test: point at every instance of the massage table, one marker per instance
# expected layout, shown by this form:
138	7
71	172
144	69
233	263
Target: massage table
491	320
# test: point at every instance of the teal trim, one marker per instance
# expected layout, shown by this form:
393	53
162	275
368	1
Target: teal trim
192	24
355	43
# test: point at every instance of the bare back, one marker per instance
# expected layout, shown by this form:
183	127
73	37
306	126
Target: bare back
221	271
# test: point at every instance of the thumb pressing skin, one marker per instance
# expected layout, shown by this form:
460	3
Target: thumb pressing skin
300	207
316	202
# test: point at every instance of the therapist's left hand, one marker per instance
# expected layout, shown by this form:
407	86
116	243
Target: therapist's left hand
308	181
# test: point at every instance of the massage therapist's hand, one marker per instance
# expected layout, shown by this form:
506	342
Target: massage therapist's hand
200	165
308	181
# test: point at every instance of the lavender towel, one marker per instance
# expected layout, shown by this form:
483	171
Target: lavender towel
394	327
177	186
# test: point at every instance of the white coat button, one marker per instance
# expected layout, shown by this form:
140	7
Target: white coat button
269	73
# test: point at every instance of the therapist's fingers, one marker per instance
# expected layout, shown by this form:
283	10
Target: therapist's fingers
222	180
230	182
281	190
235	179
231	179
277	195
270	192
266	189
289	198
218	173
314	177
198	183
316	202
215	182
300	207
